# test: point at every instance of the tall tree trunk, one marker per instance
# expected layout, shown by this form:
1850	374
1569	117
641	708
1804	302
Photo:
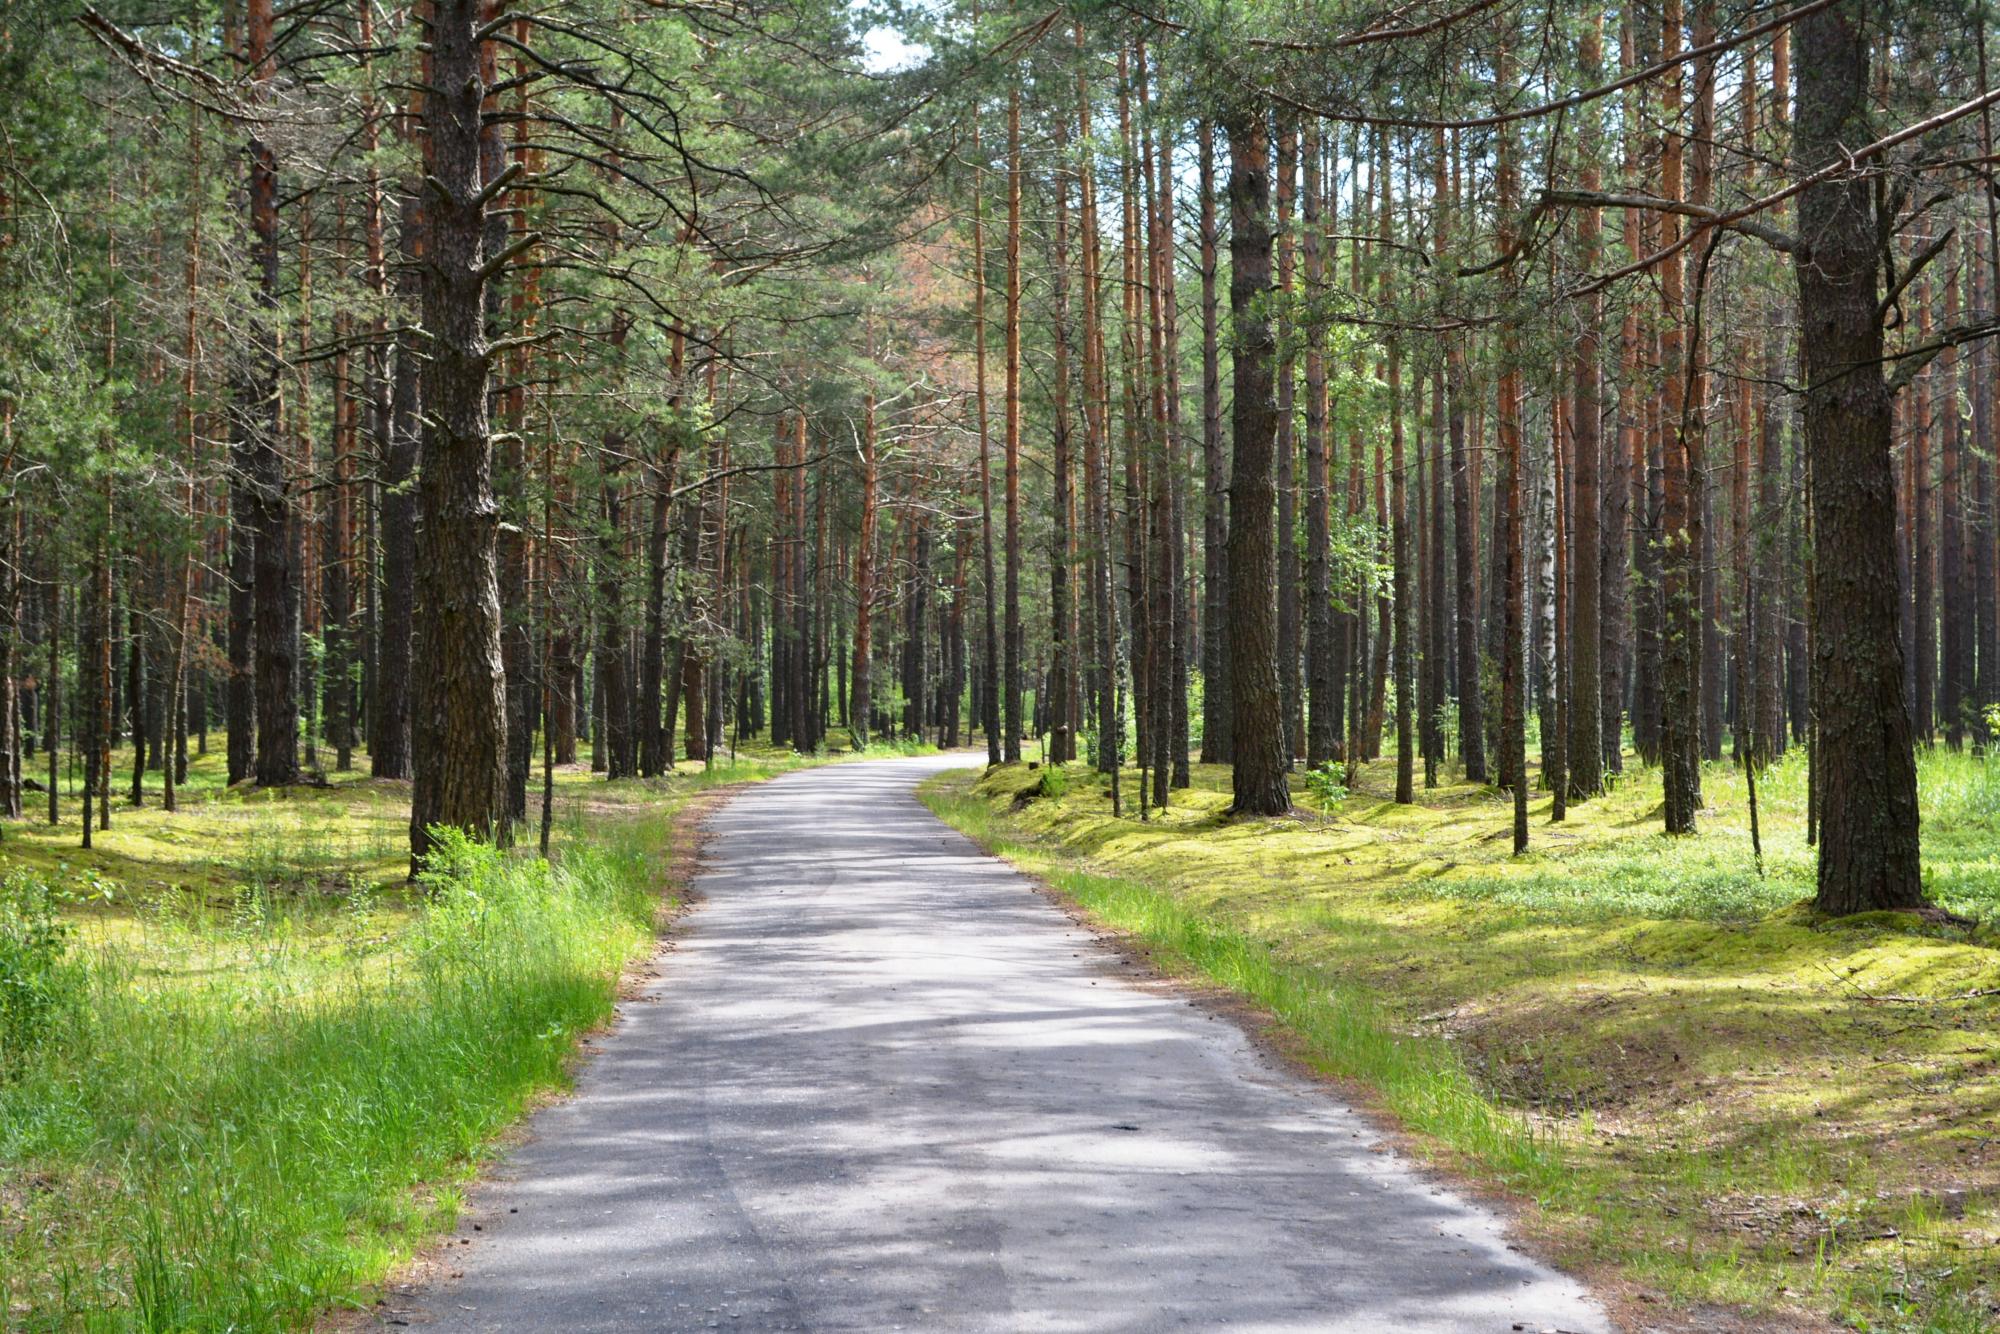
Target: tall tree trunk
1955	614
460	722
1584	696
1767	580
1680	585
1291	687
390	751
1109	668
1062	544
1259	783
989	663
1322	686
1867	773
268	503
1218	705
1012	648
1510	501
860	681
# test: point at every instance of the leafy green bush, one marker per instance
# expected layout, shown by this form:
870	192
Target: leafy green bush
38	981
1326	785
1054	781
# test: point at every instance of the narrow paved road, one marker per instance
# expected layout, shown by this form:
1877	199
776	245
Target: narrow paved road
880	1083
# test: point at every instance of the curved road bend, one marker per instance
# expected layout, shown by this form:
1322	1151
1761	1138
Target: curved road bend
880	1083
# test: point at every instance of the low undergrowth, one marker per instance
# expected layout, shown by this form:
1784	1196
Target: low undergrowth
243	1094
1707	1091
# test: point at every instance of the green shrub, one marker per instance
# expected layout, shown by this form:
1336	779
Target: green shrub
1326	785
1054	782
38	980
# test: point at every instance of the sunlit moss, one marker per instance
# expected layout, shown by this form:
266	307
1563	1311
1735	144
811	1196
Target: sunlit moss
1748	1104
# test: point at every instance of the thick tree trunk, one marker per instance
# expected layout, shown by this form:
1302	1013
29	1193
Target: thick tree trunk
268	504
1260	783
460	722
1866	771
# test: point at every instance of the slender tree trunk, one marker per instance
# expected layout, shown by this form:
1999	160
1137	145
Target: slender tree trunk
1510	492
390	753
1955	615
989	663
1767	586
1322	686
1218	704
1680	701
1062	544
1290	685
860	680
1012	647
1584	695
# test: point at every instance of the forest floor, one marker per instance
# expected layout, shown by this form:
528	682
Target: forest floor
245	1067
1711	1099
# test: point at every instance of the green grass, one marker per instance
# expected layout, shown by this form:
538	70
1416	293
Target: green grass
1696	1082
273	1064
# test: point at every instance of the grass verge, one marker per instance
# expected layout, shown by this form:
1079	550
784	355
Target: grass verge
259	1068
1718	1103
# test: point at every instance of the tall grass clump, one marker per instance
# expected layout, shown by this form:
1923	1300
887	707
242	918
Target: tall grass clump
40	980
229	1123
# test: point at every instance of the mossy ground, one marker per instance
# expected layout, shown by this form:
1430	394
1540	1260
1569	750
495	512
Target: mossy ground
280	1059
1744	1104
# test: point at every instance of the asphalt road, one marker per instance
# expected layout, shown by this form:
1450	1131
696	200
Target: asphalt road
880	1083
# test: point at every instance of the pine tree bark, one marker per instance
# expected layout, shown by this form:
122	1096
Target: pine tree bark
1063	722
1954	613
1218	703
1322	687
1011	672
860	680
460	721
1290	685
268	502
1584	695
1510	499
1866	770
1259	782
1680	583
390	749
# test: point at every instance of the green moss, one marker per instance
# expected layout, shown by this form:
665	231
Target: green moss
1743	1099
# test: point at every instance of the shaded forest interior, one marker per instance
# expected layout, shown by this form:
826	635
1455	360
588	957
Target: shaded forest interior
1520	390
